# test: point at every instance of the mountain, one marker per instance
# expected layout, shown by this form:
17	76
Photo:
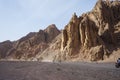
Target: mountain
27	47
93	36
90	34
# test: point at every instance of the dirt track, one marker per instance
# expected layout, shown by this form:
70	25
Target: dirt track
58	71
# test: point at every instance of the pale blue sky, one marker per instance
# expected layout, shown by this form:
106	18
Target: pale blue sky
19	17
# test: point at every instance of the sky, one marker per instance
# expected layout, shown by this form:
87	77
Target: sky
19	17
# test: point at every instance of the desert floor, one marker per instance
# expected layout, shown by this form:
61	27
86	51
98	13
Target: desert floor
58	71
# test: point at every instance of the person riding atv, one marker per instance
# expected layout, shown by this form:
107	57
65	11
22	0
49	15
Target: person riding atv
118	61
117	65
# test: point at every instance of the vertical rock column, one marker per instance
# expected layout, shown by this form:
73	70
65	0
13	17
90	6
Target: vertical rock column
88	33
70	36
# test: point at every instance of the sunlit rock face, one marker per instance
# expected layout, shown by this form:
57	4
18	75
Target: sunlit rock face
89	35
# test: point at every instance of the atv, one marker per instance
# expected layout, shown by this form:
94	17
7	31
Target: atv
117	65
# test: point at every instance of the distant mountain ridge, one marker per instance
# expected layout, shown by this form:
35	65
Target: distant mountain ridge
93	36
29	45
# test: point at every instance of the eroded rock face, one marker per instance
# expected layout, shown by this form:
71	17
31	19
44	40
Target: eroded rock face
70	36
89	35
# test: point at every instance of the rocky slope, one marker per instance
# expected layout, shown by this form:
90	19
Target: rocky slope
29	46
93	36
4	47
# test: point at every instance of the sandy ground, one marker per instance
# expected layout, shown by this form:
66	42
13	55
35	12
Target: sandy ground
58	71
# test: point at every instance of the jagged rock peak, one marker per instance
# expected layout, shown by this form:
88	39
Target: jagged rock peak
51	27
74	17
51	32
107	2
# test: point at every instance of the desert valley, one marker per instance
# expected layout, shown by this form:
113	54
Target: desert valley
86	49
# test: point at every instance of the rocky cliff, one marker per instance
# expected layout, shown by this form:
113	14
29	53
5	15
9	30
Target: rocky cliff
92	36
89	35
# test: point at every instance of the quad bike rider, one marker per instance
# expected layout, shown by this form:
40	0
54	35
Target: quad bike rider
117	65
